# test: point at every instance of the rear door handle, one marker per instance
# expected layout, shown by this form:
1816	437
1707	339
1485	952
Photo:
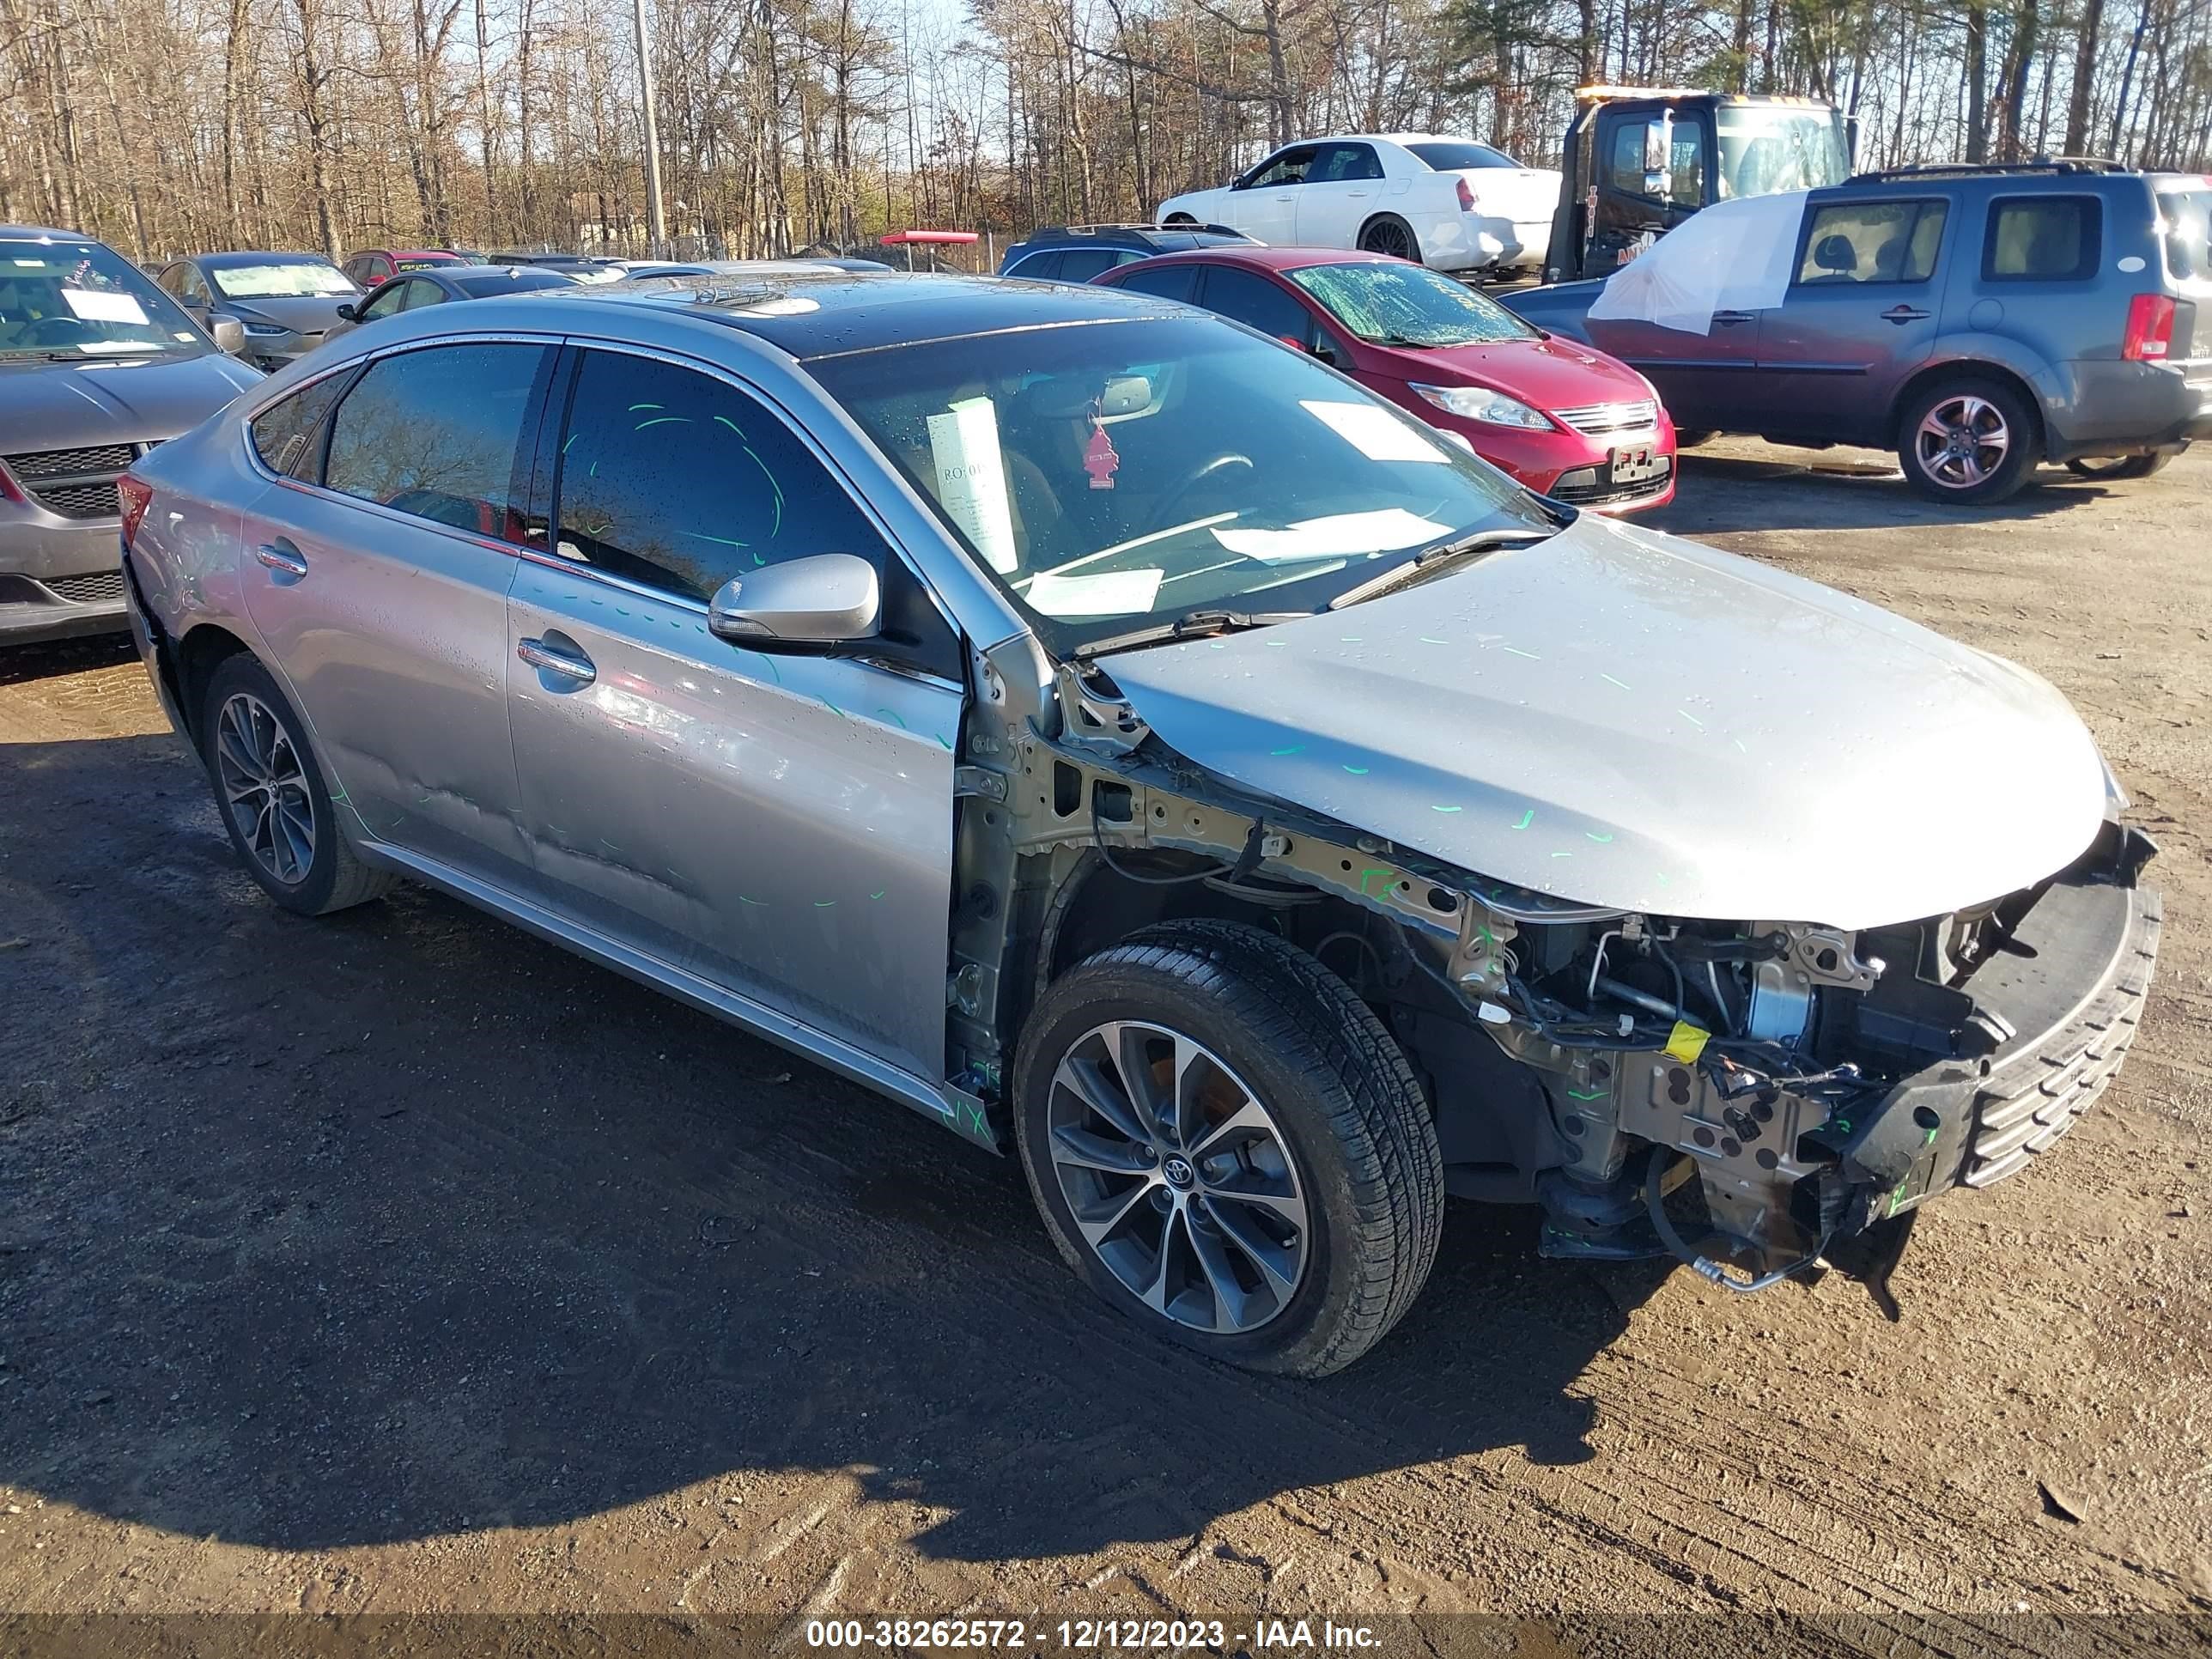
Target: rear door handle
283	558
569	664
1730	318
1901	314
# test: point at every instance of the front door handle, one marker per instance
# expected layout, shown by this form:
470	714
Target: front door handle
1730	318
283	558
1903	314
569	664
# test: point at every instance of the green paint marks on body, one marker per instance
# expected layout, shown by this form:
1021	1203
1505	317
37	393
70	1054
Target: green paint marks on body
1588	1094
891	714
663	420
1368	875
1622	684
1294	749
1433	807
1592	835
879	893
1426	640
1692	719
1526	818
725	421
1356	771
824	904
1518	652
634	408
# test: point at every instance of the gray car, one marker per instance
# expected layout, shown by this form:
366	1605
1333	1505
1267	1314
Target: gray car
1976	320
1138	747
96	367
283	303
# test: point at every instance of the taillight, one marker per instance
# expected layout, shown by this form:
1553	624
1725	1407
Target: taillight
136	496
1466	197
2150	329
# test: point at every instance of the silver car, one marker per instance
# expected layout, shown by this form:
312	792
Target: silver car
1137	747
283	304
97	365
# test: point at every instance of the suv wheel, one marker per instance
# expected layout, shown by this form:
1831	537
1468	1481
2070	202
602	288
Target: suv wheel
271	795
2111	468
1387	233
1226	1143
1966	440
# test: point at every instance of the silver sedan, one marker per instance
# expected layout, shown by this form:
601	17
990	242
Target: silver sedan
1140	749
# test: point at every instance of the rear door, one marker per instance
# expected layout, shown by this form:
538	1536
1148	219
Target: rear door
383	562
779	825
1342	189
1863	311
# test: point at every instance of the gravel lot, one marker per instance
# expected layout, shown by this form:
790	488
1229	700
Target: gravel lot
399	1263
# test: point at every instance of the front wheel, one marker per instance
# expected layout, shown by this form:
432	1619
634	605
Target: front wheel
1224	1143
2112	468
1967	442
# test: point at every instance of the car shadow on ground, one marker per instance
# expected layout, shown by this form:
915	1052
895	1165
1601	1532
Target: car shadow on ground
400	1223
1852	490
49	659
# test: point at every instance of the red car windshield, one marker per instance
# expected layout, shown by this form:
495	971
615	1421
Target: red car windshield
1391	302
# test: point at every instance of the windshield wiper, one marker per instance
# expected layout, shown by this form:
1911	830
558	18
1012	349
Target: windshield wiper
1196	625
1425	562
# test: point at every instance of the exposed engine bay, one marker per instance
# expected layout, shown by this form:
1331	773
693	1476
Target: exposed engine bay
1747	1095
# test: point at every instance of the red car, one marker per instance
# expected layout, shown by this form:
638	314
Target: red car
373	265
1565	420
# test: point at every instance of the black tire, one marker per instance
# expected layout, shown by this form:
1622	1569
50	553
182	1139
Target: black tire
2109	469
328	876
1179	219
1386	232
1345	1106
1973	473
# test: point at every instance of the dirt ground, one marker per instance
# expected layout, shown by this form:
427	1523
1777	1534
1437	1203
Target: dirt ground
400	1262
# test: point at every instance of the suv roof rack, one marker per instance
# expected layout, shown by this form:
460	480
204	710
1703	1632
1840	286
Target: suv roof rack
1094	230
2047	165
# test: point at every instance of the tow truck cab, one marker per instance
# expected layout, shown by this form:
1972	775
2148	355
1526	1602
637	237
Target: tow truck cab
1638	161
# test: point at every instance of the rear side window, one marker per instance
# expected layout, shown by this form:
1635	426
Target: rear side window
1450	158
1850	242
1080	265
1257	303
285	433
2047	239
1338	164
434	433
2185	227
1164	282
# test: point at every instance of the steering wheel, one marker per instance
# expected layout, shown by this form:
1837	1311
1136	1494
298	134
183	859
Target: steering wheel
1170	511
39	334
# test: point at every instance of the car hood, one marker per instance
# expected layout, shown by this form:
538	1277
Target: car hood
63	405
1631	721
303	313
1548	374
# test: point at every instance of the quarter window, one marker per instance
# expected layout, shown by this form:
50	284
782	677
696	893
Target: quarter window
1037	267
284	433
434	433
2050	238
1872	242
1257	303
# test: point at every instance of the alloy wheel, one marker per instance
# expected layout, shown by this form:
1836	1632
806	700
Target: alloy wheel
264	789
1178	1177
1962	441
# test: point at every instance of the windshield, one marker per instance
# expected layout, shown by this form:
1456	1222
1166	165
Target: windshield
289	279
1392	302
1766	150
1450	158
1119	475
81	300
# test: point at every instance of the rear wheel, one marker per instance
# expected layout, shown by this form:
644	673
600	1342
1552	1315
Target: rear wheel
1966	440
1179	219
1387	233
271	795
1225	1144
2112	468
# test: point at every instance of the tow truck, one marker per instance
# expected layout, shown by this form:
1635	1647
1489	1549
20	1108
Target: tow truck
1638	161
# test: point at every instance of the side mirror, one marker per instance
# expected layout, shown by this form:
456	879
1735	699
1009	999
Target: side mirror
229	334
812	603
346	310
1659	157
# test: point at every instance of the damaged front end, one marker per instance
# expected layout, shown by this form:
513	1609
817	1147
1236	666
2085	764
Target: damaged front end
1759	1098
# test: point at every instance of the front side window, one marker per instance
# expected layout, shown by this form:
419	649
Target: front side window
1118	475
1851	242
387	301
78	300
2051	239
285	279
678	481
434	433
1685	179
1287	168
285	433
1257	303
1393	302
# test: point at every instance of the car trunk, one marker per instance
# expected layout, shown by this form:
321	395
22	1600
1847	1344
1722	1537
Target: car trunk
1525	196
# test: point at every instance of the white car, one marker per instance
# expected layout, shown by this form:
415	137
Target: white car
1449	202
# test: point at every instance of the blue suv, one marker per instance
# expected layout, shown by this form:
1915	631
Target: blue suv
1976	318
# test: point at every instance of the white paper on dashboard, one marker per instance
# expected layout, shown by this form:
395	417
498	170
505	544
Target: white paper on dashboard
1338	536
1108	594
102	306
971	484
1375	432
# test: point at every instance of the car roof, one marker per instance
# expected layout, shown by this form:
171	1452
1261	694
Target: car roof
1268	259
821	313
408	254
43	233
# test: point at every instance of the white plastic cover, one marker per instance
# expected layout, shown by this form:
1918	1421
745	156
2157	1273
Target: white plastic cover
1733	256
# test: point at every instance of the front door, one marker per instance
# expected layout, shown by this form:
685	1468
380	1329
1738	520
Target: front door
1708	382
780	825
1861	315
1634	201
1267	198
380	587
